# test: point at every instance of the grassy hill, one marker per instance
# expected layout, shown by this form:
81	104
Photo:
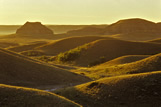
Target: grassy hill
12	96
155	40
66	44
148	64
136	90
134	29
103	50
7	44
20	70
86	31
26	47
124	60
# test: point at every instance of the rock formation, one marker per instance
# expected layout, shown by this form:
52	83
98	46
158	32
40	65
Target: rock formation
34	28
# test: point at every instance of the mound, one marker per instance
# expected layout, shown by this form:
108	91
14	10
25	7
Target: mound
66	44
134	29
19	70
124	60
132	25
27	47
155	40
149	64
137	90
34	28
11	96
103	50
7	44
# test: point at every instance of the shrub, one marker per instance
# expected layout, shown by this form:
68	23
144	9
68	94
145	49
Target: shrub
69	55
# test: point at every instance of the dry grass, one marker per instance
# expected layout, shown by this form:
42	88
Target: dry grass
149	64
135	90
26	47
113	48
66	44
12	96
20	70
124	60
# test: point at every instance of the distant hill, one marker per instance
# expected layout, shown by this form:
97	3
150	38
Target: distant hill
137	90
103	50
132	26
12	96
86	31
27	46
7	44
22	71
135	29
34	29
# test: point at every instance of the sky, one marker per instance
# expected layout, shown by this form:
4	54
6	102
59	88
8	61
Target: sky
63	12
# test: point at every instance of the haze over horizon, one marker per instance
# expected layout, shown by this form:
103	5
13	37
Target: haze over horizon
17	12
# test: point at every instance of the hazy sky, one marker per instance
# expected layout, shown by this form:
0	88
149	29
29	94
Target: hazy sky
77	11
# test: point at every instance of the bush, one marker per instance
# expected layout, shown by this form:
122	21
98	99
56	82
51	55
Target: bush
69	55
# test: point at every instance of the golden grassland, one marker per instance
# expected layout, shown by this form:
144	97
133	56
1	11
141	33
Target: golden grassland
135	90
149	64
26	47
20	70
108	49
66	44
27	97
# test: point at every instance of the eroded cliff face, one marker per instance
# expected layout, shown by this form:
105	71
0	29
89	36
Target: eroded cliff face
34	28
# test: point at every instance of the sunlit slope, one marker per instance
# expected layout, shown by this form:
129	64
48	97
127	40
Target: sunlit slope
12	96
134	29
63	45
107	49
26	47
19	70
135	90
155	40
7	44
149	64
124	60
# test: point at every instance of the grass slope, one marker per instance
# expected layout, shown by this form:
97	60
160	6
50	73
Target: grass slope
109	49
12	96
155	40
149	64
26	47
135	90
66	44
124	60
135	29
19	70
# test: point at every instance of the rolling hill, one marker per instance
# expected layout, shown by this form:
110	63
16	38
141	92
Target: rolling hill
134	29
124	60
136	90
103	50
86	31
12	96
155	40
148	64
26	47
66	44
22	71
